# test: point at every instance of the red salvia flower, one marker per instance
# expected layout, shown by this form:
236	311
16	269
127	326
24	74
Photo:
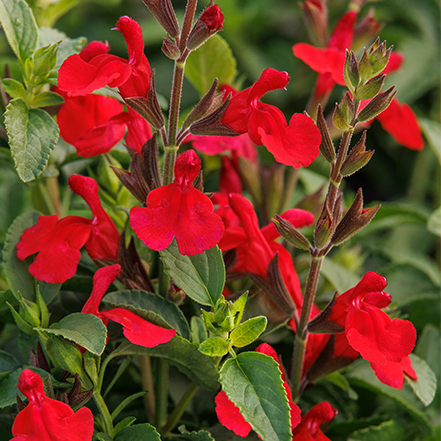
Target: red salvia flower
93	68
180	211
229	414
295	144
138	131
309	428
401	123
384	342
46	419
135	328
329	61
93	124
256	247
58	242
213	18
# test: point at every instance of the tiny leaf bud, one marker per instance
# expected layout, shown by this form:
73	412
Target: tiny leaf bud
376	105
357	158
370	89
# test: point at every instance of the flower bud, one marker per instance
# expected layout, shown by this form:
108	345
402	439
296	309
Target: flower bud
343	114
326	146
170	49
376	105
164	13
365	67
357	158
148	107
315	15
210	22
287	230
212	125
350	71
207	104
379	56
365	30
370	89
327	222
354	220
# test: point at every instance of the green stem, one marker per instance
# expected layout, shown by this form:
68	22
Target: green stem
161	392
301	333
104	411
175	101
147	384
169	164
180	409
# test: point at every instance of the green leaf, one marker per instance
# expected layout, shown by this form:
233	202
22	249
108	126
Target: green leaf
45	59
339	277
201	277
126	422
17	272
198	330
14	88
8	364
432	130
214	347
8	389
425	386
361	374
87	330
387	431
126	402
202	435
248	331
434	222
32	136
66	355
213	59
253	382
67	46
20	27
138	432
152	307
182	354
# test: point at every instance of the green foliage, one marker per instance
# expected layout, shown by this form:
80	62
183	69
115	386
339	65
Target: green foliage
213	59
182	354
201	277
248	331
138	432
32	134
253	382
17	273
152	307
87	330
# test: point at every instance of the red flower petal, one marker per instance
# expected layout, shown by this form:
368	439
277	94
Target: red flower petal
229	415
46	419
137	330
178	210
102	279
401	123
309	428
57	243
379	339
138	131
91	123
270	79
297	145
104	237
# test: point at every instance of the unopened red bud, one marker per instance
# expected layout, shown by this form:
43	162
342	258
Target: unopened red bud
210	22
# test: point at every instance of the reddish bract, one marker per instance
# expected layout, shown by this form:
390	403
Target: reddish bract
46	419
94	68
295	144
136	329
180	211
58	242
